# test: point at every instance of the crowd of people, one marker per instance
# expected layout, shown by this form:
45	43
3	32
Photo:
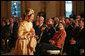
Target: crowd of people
51	33
9	30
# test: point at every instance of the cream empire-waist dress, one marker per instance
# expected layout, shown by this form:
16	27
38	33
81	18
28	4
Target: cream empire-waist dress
25	45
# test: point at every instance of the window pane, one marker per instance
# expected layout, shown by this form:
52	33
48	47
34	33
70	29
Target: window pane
15	9
68	7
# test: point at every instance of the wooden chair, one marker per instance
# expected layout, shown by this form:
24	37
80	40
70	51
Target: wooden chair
53	52
56	52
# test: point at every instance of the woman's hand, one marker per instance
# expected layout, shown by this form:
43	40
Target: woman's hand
72	41
52	42
36	36
32	31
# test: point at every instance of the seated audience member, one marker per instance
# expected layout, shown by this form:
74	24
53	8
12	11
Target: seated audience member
11	41
60	18
5	33
81	37
63	19
71	47
68	29
3	30
20	20
78	17
59	37
7	22
56	42
48	32
73	15
15	31
14	19
39	27
56	22
72	22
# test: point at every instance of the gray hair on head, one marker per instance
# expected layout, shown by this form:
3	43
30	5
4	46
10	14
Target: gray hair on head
41	17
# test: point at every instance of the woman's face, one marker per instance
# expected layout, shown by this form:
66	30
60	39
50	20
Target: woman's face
3	23
81	24
32	17
60	26
76	23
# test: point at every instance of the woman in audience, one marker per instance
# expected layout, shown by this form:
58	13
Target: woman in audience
59	37
56	41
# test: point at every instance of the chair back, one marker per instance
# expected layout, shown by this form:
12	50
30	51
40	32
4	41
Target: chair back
62	48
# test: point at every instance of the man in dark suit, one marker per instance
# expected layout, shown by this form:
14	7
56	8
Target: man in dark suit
38	28
11	33
70	43
15	31
81	37
7	22
56	21
76	41
5	35
47	34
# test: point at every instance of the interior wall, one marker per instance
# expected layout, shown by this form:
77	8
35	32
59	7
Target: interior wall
35	5
54	8
4	8
51	9
78	7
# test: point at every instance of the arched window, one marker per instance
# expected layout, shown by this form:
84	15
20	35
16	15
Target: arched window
15	9
68	8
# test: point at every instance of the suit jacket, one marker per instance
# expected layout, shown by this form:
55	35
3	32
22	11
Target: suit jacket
47	35
5	32
15	30
59	38
80	39
56	27
38	30
74	33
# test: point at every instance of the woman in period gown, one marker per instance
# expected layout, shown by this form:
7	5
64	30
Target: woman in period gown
26	42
